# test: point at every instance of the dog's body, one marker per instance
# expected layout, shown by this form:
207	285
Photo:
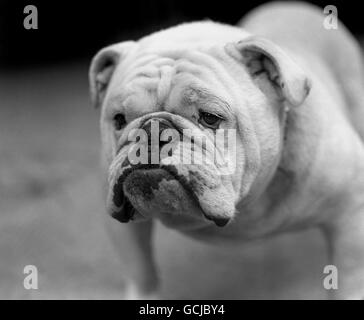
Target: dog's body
298	112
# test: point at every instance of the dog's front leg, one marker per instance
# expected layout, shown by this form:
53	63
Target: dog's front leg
134	245
345	237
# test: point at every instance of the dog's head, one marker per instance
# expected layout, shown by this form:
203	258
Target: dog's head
192	121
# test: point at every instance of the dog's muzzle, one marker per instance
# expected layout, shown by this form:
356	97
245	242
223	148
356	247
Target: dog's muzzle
155	184
146	176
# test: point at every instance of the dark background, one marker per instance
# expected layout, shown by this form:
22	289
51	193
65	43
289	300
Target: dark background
70	30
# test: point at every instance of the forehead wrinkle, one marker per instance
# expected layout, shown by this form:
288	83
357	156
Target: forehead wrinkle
164	83
192	95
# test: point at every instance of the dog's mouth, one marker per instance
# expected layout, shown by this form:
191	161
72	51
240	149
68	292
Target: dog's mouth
140	184
145	189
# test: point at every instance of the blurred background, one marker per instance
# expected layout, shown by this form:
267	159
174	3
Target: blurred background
51	209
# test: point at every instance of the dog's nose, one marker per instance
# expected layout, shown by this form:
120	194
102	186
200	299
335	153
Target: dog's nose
154	128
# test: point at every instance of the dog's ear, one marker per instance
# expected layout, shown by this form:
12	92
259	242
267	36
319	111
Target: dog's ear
263	58
102	68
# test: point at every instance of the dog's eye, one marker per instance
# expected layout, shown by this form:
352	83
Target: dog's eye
119	121
210	120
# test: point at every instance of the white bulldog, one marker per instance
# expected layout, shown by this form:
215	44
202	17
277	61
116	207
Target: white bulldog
292	91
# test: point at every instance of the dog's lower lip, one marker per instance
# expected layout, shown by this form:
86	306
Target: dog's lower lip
127	211
167	168
120	199
122	217
174	173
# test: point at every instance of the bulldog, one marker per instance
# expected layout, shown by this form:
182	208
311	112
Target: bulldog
289	90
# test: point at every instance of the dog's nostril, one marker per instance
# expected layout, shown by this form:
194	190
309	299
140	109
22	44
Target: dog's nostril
154	128
162	143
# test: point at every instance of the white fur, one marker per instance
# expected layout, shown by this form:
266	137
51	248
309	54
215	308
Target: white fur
312	178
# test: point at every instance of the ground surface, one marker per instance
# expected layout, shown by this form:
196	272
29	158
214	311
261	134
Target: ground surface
51	211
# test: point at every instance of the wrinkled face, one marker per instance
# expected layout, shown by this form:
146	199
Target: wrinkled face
171	120
184	133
